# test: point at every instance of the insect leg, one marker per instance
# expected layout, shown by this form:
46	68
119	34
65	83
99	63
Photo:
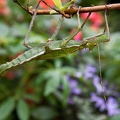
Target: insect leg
30	26
100	37
61	18
79	28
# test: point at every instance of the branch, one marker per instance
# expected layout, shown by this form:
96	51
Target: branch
73	10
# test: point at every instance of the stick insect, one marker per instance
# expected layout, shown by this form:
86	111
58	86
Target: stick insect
60	48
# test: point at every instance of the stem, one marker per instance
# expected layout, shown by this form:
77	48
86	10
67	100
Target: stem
74	10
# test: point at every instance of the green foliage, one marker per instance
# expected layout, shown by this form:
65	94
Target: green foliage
42	89
58	4
53	83
23	110
117	117
7	108
44	113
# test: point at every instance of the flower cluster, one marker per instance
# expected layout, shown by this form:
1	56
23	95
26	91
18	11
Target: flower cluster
112	105
90	73
74	89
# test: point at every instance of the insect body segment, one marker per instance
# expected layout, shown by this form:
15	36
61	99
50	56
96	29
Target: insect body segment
26	56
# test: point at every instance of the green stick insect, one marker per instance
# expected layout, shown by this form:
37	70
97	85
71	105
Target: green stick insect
60	48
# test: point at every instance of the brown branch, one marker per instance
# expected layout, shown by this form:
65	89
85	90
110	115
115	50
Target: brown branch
72	11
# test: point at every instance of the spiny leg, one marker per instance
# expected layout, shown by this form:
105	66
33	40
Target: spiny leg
79	28
61	18
107	27
67	39
96	39
99	37
108	39
30	26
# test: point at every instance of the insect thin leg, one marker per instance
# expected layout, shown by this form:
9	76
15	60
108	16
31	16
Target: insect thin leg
106	29
101	78
30	26
61	18
78	29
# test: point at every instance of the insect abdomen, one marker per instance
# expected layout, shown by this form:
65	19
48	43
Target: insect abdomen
26	56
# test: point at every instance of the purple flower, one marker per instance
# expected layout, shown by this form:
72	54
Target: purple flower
112	106
74	87
96	83
89	72
71	101
99	102
84	50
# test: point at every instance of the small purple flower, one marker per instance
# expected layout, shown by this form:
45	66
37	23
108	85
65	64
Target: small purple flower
84	50
99	102
74	87
71	101
96	83
112	106
89	72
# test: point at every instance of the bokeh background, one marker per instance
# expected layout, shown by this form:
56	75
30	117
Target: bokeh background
64	88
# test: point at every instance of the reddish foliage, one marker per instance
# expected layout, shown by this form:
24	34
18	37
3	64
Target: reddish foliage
77	37
30	90
29	102
4	9
50	2
10	75
95	18
15	56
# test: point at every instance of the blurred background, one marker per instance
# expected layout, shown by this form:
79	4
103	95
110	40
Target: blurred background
65	88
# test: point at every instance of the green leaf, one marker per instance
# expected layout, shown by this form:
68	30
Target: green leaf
58	4
6	108
66	90
51	86
116	117
66	87
4	30
52	83
44	113
22	110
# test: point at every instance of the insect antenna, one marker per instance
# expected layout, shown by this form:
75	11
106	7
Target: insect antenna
101	78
